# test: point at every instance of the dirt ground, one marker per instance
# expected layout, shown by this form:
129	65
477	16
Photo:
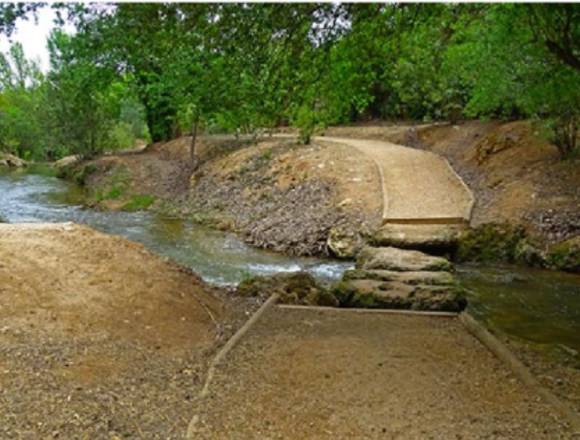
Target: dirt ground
314	374
99	338
417	184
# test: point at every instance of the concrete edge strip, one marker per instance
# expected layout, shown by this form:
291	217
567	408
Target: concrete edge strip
465	187
518	368
222	353
359	310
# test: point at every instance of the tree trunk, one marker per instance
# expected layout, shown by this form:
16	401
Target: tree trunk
192	156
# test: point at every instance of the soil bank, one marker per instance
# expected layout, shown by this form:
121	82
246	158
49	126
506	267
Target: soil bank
99	338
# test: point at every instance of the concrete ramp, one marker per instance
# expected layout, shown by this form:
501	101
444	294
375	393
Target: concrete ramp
419	187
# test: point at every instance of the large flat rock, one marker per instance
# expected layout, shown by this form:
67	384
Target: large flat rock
436	278
419	236
365	293
390	258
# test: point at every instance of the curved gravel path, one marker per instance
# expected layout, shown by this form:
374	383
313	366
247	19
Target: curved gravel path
418	186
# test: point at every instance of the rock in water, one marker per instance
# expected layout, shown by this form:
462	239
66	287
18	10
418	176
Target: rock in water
398	295
293	288
419	236
394	278
439	278
390	258
343	244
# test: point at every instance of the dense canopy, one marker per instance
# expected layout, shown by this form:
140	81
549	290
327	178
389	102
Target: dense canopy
155	71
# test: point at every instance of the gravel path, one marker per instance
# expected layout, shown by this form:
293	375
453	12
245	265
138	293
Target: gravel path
314	374
417	185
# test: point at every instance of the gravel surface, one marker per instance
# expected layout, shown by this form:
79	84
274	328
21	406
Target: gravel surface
313	374
99	338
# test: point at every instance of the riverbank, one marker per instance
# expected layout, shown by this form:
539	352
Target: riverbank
323	199
300	200
99	337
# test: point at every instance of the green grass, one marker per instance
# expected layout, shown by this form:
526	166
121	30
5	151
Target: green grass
139	202
42	169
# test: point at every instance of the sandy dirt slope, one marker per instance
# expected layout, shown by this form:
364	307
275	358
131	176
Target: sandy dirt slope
99	338
338	375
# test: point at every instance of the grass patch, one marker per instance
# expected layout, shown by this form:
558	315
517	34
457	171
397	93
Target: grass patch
139	202
266	155
42	169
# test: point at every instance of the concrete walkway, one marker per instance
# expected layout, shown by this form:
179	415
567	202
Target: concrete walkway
339	375
418	186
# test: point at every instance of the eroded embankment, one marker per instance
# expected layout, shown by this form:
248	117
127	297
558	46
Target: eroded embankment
324	199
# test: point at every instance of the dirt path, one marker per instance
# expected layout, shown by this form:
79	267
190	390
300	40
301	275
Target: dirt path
313	374
99	338
417	185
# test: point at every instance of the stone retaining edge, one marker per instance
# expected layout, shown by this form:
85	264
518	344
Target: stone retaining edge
494	345
222	353
360	310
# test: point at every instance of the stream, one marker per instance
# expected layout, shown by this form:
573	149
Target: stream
541	307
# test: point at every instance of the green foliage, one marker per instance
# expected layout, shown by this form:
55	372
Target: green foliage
139	202
155	71
565	255
306	121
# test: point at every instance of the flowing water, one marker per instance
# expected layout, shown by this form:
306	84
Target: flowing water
218	257
538	306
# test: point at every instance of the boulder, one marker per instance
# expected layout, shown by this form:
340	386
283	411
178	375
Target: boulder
439	278
293	288
490	242
390	258
67	161
343	244
397	295
419	236
12	161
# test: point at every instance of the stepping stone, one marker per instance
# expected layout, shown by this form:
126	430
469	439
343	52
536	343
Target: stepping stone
390	258
412	278
396	295
392	278
419	236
